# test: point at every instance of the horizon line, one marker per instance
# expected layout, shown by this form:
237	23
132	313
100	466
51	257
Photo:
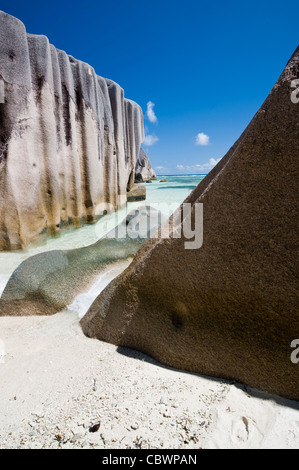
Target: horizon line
181	174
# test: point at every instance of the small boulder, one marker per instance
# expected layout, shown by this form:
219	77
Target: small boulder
137	193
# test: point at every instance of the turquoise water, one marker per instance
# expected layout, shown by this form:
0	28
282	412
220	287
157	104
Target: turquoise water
165	196
174	191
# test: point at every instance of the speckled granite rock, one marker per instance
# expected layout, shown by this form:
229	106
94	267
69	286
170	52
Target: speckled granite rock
69	140
230	308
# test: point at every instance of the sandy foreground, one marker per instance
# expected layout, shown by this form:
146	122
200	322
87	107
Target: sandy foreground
55	384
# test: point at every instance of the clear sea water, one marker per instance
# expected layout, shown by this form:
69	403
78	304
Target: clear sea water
165	196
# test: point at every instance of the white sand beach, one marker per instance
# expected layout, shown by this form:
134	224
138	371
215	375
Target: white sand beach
55	383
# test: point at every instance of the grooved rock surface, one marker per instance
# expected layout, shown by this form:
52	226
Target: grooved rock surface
69	139
144	170
230	308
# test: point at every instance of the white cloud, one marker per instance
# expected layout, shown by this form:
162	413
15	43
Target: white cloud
150	112
159	167
199	167
214	162
150	140
208	166
202	139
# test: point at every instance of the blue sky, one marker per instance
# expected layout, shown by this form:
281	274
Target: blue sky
201	68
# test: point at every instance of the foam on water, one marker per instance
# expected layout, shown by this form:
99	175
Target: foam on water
83	301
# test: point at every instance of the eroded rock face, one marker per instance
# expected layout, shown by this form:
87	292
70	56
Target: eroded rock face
144	170
69	139
230	308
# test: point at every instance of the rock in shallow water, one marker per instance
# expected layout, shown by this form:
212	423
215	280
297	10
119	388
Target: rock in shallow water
69	140
137	193
47	282
230	308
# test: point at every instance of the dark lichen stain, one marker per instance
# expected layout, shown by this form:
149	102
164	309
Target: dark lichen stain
11	55
79	99
66	115
57	117
39	86
5	131
88	203
3	151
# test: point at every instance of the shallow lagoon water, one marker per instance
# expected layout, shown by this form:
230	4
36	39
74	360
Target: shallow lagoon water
165	196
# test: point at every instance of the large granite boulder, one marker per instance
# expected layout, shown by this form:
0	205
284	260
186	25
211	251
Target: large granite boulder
143	169
69	140
47	282
230	308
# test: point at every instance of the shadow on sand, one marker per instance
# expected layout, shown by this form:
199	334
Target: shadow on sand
253	392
